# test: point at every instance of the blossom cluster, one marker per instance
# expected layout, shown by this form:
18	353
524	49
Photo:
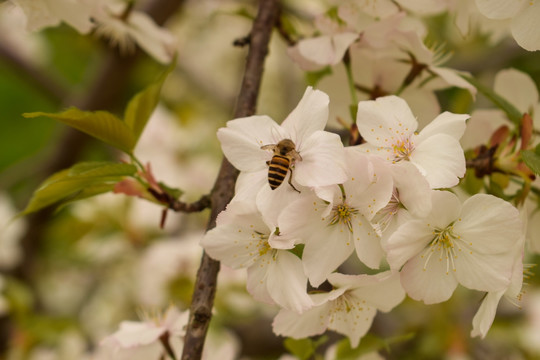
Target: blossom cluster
388	200
112	19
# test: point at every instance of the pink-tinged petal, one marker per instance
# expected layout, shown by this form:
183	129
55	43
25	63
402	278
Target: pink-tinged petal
452	77
413	188
446	123
486	314
134	333
409	240
517	87
500	9
379	120
366	242
483	272
326	50
428	279
310	115
352	320
385	293
423	103
385	153
323	161
350	12
325	250
242	139
481	126
525	27
491	224
445	209
305	64
287	283
440	159
312	322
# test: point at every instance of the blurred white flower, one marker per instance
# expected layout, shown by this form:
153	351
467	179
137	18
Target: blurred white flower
149	337
124	27
524	15
45	13
11	231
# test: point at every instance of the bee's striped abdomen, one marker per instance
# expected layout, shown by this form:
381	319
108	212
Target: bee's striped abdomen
279	166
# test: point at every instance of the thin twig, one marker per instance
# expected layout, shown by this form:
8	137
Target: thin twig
223	191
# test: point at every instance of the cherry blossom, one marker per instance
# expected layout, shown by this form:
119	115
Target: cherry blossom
388	126
242	240
469	244
333	226
348	309
322	159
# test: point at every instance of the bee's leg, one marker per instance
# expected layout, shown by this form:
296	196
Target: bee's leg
268	162
290	181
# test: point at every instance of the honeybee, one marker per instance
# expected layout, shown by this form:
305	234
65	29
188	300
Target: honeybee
285	155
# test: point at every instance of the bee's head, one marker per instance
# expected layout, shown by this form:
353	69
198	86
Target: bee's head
285	146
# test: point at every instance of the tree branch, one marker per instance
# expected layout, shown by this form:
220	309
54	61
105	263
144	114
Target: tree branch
223	191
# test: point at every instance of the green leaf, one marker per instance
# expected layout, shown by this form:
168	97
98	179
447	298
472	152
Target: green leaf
513	114
100	124
80	181
368	344
313	77
301	348
532	160
142	105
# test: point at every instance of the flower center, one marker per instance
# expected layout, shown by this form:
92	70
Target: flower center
262	243
343	214
385	215
444	242
402	149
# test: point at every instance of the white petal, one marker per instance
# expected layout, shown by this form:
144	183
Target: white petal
236	244
132	333
424	7
499	9
486	314
379	120
310	115
446	123
311	322
491	224
353	321
481	125
413	188
525	27
428	280
304	63
483	272
452	77
326	50
271	202
74	13
517	87
248	185
441	160
385	294
408	240
323	161
242	139
327	248
367	243
287	283
156	41
257	279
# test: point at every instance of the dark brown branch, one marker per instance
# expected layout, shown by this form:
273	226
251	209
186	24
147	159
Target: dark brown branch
223	191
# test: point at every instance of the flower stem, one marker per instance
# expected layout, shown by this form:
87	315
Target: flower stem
353	108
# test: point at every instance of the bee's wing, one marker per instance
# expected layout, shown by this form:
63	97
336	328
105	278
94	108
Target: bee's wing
272	147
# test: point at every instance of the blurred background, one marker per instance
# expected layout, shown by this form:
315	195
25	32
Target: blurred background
69	276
